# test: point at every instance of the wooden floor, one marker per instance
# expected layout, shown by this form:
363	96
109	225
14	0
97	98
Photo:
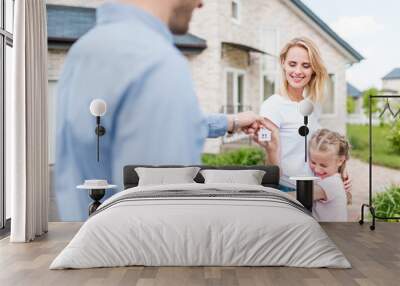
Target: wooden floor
374	255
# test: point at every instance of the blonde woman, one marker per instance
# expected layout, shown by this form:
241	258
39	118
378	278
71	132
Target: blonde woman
303	75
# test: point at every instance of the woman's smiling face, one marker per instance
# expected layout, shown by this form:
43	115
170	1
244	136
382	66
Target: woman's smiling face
297	66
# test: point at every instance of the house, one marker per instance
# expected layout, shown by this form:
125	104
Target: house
391	82
233	48
390	87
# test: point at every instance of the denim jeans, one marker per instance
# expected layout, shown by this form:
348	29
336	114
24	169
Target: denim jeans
286	189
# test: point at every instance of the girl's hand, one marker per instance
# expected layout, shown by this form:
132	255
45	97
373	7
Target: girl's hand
318	193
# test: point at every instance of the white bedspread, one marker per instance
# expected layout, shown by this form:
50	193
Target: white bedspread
181	231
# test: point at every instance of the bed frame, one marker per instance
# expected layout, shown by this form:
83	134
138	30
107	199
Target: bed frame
270	179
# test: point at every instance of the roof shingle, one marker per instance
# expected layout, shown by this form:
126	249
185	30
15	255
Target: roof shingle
66	24
394	74
299	4
353	91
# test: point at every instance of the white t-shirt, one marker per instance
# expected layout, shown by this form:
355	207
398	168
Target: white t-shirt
334	207
284	113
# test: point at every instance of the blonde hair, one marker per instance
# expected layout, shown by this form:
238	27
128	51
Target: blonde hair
325	140
315	88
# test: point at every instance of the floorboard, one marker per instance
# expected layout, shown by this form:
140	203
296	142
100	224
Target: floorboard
374	255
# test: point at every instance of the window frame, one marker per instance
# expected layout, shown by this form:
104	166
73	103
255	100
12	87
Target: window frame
236	73
239	12
333	114
6	39
273	76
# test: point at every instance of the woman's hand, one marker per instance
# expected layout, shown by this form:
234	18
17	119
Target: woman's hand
347	181
267	145
272	148
347	186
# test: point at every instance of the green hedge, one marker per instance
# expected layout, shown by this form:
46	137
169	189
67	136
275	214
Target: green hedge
242	157
387	203
394	138
383	153
351	105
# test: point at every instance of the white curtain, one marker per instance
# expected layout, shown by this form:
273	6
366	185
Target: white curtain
26	124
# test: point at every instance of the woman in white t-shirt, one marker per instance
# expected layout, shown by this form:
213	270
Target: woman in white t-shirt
303	75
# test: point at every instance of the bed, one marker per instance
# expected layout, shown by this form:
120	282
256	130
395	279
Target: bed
201	224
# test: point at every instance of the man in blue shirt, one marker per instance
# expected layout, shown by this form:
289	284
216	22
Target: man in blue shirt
129	60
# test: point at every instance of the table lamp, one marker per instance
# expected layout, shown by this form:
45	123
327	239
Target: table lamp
306	107
304	184
98	108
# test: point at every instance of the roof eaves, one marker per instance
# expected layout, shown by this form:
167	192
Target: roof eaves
299	4
393	74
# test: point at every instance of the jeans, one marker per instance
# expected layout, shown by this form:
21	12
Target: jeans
286	189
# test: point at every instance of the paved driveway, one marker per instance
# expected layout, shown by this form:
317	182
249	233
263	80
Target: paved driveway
381	177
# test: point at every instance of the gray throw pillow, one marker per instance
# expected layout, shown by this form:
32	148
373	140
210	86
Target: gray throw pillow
163	176
248	177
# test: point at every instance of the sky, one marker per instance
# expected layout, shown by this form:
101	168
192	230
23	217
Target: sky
371	27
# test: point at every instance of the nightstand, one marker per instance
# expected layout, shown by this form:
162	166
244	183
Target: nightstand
97	190
304	190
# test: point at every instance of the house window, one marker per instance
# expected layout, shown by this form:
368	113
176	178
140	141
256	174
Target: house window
328	104
235	91
6	60
235	10
268	86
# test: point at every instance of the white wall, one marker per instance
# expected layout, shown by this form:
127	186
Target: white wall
393	84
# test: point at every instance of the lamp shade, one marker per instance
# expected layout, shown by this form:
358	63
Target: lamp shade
306	107
98	107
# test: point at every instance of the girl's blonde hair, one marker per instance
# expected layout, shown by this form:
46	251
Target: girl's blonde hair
315	88
325	140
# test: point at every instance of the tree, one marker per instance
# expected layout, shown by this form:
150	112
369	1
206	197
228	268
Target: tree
374	102
351	105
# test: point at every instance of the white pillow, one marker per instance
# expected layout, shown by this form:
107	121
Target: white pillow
248	177
163	176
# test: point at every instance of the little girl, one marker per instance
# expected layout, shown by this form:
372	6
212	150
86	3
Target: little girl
329	152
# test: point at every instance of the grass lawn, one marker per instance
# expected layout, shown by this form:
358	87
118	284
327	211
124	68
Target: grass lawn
381	149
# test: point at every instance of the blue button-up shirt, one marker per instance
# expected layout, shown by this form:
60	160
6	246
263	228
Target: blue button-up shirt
153	117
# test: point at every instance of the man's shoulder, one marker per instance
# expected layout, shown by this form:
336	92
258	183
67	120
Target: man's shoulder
134	43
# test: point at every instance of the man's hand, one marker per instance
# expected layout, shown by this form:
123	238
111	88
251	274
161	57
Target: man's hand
247	122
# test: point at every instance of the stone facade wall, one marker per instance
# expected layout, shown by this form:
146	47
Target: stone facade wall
56	58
